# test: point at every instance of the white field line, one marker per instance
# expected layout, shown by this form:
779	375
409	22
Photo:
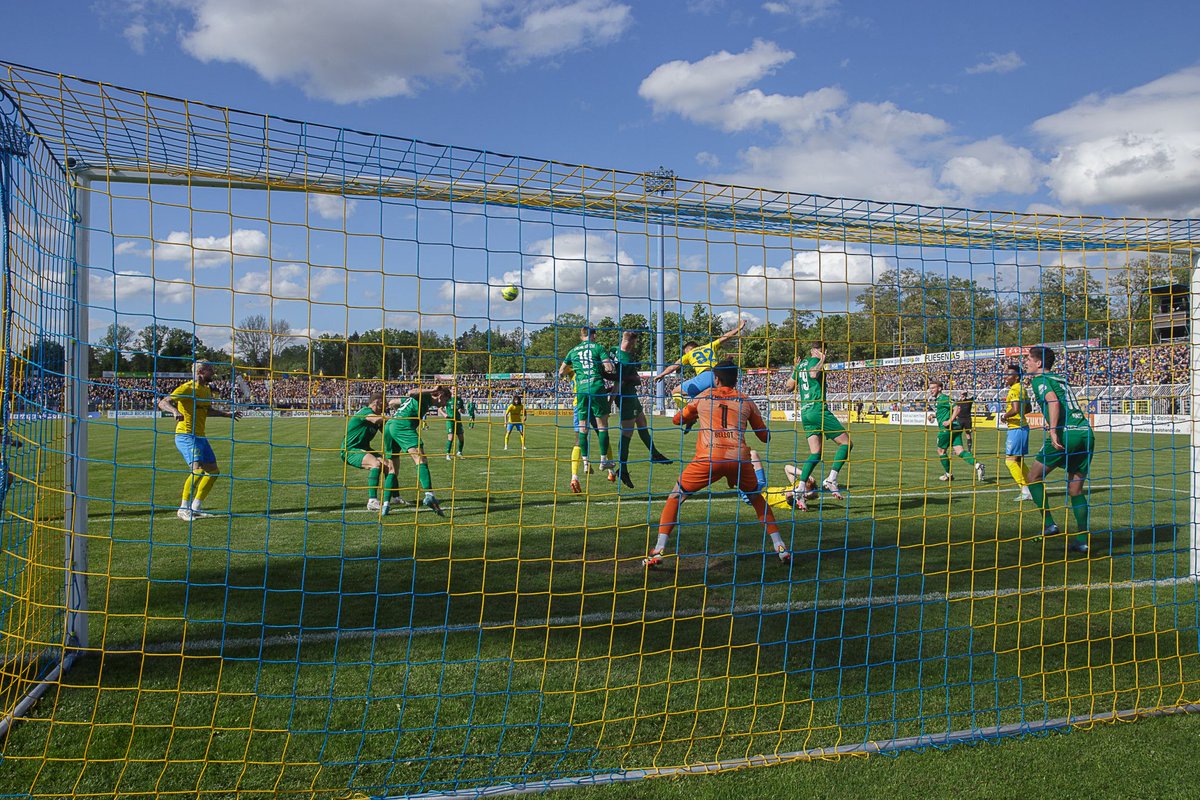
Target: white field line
612	618
724	497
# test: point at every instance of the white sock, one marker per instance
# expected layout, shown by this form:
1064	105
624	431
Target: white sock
776	540
662	542
832	476
196	504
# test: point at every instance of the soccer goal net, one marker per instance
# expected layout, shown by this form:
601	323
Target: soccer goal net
347	464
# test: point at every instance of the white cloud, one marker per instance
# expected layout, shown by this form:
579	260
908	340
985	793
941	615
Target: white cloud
346	51
120	290
713	91
731	318
1139	148
352	51
554	29
810	279
290	281
135	33
331	207
129	247
211	251
825	143
707	159
997	62
991	166
803	10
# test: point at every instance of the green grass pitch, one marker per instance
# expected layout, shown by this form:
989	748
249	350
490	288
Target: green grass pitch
297	642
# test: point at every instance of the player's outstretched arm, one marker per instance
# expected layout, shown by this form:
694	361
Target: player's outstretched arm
670	369
214	411
725	337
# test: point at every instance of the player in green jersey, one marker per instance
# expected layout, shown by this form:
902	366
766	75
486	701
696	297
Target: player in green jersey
454	426
592	366
950	432
819	423
629	406
401	436
356	449
471	409
1069	444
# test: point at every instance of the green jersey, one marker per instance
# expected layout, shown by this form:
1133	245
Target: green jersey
413	410
455	410
1071	415
587	359
359	430
943	409
810	391
471	409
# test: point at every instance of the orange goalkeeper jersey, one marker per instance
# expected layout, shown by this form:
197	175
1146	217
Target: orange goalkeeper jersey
720	415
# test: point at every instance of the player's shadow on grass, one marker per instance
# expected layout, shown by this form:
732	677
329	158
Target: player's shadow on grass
1127	540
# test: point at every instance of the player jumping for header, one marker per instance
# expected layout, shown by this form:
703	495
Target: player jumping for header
701	359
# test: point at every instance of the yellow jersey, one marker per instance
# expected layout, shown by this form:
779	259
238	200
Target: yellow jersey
514	413
701	358
1016	393
193	401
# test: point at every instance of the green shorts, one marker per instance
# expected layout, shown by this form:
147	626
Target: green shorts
631	406
399	437
591	405
820	421
949	438
453	427
355	457
1076	455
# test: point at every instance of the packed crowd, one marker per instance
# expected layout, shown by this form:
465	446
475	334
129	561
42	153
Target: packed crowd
1157	365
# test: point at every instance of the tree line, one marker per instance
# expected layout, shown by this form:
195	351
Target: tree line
906	311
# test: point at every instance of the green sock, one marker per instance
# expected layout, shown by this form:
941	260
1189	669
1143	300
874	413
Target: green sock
809	465
623	450
966	456
373	484
391	487
945	464
449	445
424	478
1038	490
644	435
839	458
605	449
1079	505
583	444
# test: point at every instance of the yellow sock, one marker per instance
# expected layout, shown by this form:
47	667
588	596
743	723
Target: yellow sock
206	484
1014	468
576	458
188	483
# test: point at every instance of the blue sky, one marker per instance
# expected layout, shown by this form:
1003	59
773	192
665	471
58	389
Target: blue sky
1084	108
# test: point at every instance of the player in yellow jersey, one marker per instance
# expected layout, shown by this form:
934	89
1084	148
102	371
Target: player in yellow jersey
701	358
1016	445
191	405
514	419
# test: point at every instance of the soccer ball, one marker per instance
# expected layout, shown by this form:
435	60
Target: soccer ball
509	293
